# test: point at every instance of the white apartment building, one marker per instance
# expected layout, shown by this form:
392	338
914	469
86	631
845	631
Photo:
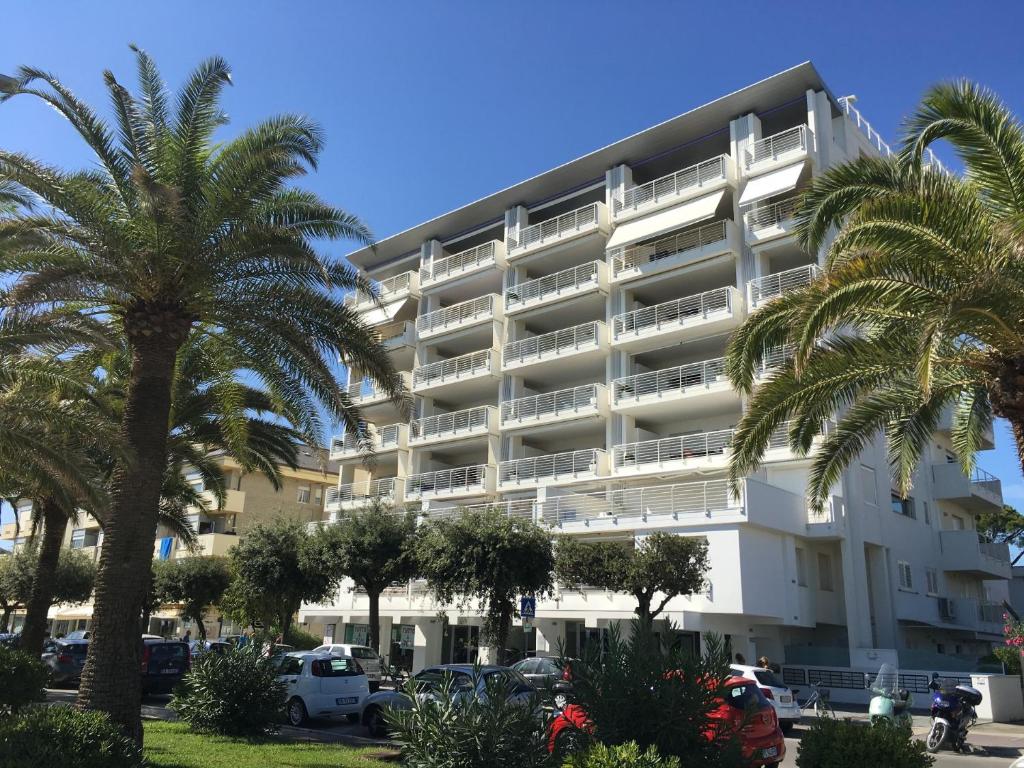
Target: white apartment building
564	342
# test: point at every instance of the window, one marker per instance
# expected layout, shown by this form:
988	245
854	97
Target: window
825	572
931	576
868	485
927	514
290	665
363	653
958	523
801	567
905	575
902	506
303	494
82	538
336	668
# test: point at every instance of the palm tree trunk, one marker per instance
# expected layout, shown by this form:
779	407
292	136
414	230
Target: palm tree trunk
110	681
55	523
1017	425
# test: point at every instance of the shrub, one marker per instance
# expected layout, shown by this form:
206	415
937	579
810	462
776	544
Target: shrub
620	756
1010	656
234	694
22	679
454	726
302	640
54	735
844	744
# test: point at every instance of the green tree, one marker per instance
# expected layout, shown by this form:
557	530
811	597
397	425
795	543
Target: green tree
195	583
488	557
166	230
660	564
918	309
375	547
1005	526
72	579
16	572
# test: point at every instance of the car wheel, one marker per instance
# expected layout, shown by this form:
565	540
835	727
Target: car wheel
296	712
375	723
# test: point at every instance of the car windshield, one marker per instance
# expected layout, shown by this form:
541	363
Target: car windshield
167	651
743	696
768	678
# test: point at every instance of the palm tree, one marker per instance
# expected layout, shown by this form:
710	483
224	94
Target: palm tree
919	309
169	231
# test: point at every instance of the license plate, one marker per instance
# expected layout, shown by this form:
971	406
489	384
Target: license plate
786	699
770	752
172	671
347	700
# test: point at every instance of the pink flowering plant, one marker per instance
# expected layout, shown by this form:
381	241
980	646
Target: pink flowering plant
1013	631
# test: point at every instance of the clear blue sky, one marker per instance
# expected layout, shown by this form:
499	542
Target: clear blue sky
429	105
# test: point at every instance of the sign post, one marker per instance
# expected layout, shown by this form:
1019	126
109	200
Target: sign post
528	612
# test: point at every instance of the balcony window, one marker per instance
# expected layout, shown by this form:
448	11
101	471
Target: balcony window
932	578
903	507
304	494
825	583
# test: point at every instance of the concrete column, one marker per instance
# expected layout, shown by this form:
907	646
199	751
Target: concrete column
743	131
550	636
516	219
617	181
819	122
881	588
385	636
427	644
855	597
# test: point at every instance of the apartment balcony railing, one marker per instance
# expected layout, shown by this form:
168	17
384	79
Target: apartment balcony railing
487	254
590	462
579	221
633	257
520	508
876	139
445	426
568	340
387	290
678	379
469	480
674	313
459	315
387	438
771	215
563	403
364	391
790	142
542	289
764	289
775	358
354	494
401	333
986	482
453	369
673	185
980	491
673	450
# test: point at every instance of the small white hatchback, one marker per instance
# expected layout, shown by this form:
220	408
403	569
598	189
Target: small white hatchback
322	685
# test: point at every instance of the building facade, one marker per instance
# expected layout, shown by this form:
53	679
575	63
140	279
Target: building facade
564	341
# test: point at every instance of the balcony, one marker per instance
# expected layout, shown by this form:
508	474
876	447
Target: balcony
349	496
210	544
702	451
580	343
692	386
587	401
234	502
458	317
767	222
393	437
399	339
706	314
520	508
763	289
365	393
489	255
568	467
779	149
391	294
671	252
588	220
965	552
674	187
443	427
458	374
560	286
475	480
981	492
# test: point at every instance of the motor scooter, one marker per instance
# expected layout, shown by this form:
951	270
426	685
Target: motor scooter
953	714
890	704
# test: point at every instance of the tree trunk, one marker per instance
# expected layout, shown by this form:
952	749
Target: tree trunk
1017	425
5	617
643	609
504	629
200	626
55	523
110	681
374	598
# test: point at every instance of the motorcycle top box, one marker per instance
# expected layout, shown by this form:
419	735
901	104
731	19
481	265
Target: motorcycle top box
970	695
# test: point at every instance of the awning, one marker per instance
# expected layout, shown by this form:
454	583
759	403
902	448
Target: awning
665	221
771	184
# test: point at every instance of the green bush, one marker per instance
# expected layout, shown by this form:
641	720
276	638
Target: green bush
845	744
22	679
58	735
301	640
1010	656
236	693
620	756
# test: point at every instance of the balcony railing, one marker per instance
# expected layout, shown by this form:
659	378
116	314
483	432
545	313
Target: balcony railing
875	138
363	390
383	488
453	369
694	177
669	380
521	508
769	287
550	467
397	334
385	288
695	239
553	404
775	357
783	143
771	215
986	482
676	312
673	449
485	253
472	478
550	286
556	228
565	340
696	498
457	314
468	421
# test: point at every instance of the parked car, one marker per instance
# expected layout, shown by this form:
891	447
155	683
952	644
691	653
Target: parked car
78	634
543	672
747	713
321	685
10	639
200	647
65	659
777	692
368	659
164	664
432	682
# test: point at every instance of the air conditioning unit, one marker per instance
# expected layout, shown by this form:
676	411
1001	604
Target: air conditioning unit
947	608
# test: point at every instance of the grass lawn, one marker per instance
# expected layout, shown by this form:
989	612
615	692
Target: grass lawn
173	745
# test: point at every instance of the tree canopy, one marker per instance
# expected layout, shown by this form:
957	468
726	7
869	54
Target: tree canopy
72	581
194	582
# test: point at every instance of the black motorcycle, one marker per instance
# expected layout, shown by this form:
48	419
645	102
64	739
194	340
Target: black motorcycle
952	713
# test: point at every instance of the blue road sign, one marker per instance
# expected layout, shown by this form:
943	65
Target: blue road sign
528	607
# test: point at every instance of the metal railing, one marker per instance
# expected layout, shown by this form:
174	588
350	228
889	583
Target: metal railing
674	313
536	347
451	424
385	288
771	148
457	314
696	498
459	262
364	389
520	508
876	139
563	401
771	215
551	466
454	368
368	489
678	379
762	289
638	255
469	478
774	358
986	481
398	331
552	285
671	449
556	228
672	184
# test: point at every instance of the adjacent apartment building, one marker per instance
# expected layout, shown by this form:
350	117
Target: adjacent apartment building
564	342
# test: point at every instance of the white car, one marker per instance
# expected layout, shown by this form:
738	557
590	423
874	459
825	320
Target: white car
322	685
777	692
368	659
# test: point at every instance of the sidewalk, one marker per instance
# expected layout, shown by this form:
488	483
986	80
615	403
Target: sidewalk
922	723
